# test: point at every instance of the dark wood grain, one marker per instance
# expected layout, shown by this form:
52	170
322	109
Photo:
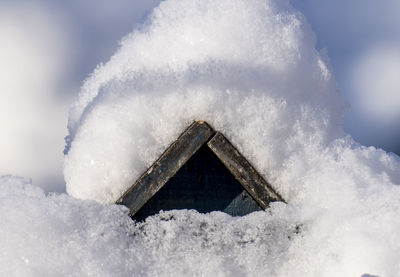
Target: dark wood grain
203	184
166	166
244	172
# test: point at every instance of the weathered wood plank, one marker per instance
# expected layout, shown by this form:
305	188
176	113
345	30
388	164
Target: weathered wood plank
243	171
166	166
204	184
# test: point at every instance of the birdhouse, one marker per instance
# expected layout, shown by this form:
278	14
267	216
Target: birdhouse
201	170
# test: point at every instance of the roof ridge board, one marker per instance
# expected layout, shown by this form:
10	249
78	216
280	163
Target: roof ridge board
199	133
260	190
167	165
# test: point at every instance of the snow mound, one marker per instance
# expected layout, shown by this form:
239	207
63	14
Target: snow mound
59	235
251	70
248	68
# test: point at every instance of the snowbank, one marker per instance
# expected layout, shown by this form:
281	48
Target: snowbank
251	70
58	235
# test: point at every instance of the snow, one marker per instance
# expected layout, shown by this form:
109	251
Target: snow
257	78
58	235
44	59
251	70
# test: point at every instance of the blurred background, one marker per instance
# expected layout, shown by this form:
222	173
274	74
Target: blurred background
48	48
362	38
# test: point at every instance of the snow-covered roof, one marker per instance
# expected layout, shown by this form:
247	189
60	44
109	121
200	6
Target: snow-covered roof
250	69
196	136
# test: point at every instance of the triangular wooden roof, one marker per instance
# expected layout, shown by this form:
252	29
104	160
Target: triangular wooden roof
198	134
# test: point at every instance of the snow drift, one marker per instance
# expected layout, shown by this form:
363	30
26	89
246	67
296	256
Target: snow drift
58	235
251	70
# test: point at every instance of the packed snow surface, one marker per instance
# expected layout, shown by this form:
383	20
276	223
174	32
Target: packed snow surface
250	69
58	235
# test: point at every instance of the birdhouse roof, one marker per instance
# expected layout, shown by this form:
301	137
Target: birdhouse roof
198	134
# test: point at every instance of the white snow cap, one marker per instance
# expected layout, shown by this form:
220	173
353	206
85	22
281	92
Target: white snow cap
250	69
